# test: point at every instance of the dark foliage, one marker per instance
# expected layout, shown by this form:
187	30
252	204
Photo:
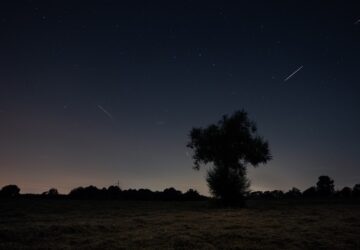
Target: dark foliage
10	191
141	194
310	192
325	186
293	193
231	145
227	184
323	190
191	195
90	192
277	194
255	195
346	192
171	194
356	191
114	192
52	193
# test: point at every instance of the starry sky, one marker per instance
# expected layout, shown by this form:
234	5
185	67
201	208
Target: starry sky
95	92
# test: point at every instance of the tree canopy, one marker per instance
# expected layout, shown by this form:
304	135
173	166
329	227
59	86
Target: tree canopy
10	191
325	185
231	145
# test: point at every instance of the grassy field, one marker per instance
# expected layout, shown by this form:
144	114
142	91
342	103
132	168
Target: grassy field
66	224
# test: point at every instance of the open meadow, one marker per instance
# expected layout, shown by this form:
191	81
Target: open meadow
71	224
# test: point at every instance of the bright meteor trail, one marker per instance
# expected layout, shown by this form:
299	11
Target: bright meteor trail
292	74
105	111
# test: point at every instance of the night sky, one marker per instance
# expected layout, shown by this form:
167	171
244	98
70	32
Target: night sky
95	92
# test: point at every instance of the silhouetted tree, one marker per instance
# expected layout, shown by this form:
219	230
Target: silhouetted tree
310	192
256	194
76	192
51	193
90	192
227	184
356	191
267	195
10	191
345	192
277	194
192	195
230	145
114	192
293	193
325	186
171	194
145	194
130	194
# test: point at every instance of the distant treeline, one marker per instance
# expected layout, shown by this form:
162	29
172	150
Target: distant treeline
110	193
324	188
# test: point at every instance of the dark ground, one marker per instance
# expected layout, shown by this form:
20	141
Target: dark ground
70	224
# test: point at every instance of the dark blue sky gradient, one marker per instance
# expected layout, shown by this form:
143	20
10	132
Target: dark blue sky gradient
160	69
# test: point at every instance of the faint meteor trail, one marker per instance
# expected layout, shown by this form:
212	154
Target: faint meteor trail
293	73
357	22
105	111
